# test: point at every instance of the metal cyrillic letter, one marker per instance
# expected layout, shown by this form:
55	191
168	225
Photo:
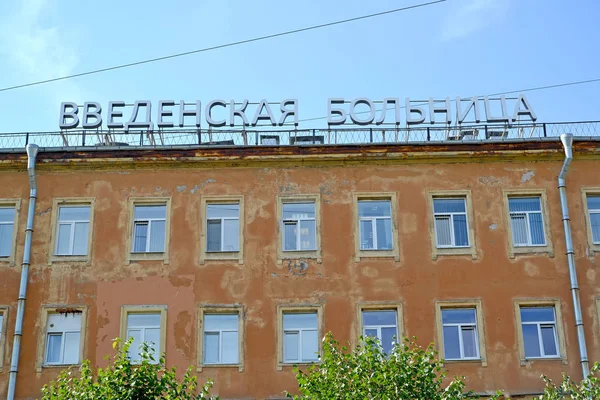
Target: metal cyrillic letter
433	109
527	111
474	102
285	112
112	114
68	110
396	102
335	112
132	123
93	110
488	113
260	116
240	112
409	110
368	103
188	113
160	122
208	112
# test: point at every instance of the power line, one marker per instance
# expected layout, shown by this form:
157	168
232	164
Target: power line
491	94
221	46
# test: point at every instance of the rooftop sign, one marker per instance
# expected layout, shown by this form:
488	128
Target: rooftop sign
360	111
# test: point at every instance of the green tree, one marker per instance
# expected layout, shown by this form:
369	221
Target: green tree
568	390
409	372
124	380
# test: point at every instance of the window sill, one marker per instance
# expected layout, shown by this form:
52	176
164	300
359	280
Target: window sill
10	260
68	259
282	365
200	367
295	255
454	251
527	361
467	361
535	250
222	255
377	254
56	366
148	256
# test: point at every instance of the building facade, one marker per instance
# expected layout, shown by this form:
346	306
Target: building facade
238	259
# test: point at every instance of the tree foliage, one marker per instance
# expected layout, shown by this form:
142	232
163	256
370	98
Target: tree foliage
569	390
124	380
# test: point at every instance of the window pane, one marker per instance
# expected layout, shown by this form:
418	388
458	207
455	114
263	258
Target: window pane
371	332
308	235
152	339
537	228
134	349
143	320
389	336
289	236
230	348
519	229
469	342
63	322
531	341
595	224
537	314
148	212
6	234
380	208
80	243
1	322
290	346
366	235
7	214
63	240
211	348
299	321
157	236
442	230
461	236
310	345
384	234
458	316
593	202
66	213
524	204
53	348
448	205
298	210
231	239
71	352
376	318
140	236
549	340
213	237
451	343
231	210
214	322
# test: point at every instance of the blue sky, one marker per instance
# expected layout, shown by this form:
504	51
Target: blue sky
457	48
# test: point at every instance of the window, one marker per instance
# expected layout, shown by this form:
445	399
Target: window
299	226
145	324
221	339
451	227
593	206
3	324
375	224
7	228
460	334
149	228
383	325
540	336
72	230
223	226
63	338
300	337
527	223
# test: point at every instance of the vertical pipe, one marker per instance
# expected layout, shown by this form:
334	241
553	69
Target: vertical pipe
32	151
567	141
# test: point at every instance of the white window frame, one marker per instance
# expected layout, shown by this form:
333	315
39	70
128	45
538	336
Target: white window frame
374	225
300	332
539	325
298	223
528	223
451	215
379	327
12	239
590	212
220	333
72	230
148	222
222	221
63	334
460	326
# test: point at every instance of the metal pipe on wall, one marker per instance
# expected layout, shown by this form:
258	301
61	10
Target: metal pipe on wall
567	142
32	151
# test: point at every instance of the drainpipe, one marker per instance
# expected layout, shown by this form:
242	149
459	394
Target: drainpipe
32	151
567	141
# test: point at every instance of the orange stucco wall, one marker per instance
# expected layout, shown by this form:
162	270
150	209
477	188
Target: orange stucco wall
338	283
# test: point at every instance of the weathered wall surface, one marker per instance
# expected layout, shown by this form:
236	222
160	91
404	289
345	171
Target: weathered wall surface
338	283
